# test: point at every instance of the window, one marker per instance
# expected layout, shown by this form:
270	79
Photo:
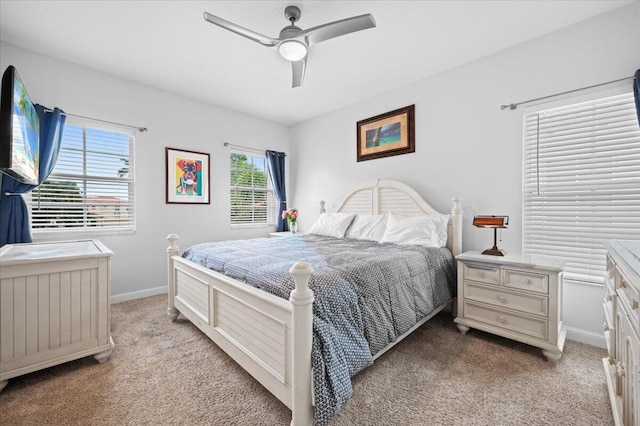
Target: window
91	187
252	199
581	182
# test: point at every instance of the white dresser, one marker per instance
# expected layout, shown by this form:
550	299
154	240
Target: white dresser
622	330
54	305
514	296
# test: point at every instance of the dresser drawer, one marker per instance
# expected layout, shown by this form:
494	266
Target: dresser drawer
608	327
526	281
525	302
629	296
609	286
485	274
535	327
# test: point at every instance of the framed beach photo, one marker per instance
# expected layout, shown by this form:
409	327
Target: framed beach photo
387	134
187	177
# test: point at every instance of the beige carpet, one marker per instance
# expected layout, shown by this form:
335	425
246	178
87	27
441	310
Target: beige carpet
164	373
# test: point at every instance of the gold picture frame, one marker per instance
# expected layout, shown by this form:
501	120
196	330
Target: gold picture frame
387	134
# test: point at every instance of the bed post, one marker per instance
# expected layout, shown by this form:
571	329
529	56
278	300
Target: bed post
302	319
172	250
456	222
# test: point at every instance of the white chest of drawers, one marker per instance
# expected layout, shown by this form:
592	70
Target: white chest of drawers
514	296
54	305
622	330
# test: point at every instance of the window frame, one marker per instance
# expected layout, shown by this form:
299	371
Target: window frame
43	233
271	216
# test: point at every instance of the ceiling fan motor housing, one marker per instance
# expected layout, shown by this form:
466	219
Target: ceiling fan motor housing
289	32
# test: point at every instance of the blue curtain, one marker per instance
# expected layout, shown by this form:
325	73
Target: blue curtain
636	93
14	214
276	166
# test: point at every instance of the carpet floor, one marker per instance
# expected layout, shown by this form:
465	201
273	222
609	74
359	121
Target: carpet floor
170	373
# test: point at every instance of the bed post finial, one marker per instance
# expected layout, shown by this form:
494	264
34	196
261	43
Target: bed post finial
456	226
322	210
172	250
302	317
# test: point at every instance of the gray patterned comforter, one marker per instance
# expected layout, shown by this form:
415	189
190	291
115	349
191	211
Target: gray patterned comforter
366	295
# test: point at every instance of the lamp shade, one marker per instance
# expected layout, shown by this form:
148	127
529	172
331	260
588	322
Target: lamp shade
292	50
491	221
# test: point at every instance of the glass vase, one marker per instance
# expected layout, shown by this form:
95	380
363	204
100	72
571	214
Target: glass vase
293	227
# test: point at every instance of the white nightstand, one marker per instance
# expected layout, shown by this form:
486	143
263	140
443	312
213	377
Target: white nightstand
514	296
282	234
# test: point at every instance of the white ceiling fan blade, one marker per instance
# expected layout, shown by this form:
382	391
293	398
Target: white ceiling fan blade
251	35
298	68
335	29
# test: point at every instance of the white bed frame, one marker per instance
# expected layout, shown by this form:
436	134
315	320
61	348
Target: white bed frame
271	337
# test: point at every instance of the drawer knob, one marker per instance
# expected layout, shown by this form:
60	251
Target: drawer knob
481	273
502	319
605	326
623	284
634	304
525	281
502	298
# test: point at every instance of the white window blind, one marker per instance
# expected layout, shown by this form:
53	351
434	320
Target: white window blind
581	182
253	201
91	188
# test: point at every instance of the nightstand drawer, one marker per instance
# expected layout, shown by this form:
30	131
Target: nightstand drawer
526	281
482	273
525	302
535	327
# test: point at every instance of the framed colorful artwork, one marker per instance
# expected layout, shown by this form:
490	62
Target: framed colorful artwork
387	134
187	177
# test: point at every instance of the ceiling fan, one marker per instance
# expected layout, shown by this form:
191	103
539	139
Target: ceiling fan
293	43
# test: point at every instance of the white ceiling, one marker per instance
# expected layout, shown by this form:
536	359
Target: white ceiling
168	45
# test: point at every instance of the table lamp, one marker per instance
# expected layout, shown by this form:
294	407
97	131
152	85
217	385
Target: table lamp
494	222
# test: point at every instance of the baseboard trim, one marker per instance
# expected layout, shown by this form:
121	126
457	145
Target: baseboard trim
138	294
587	337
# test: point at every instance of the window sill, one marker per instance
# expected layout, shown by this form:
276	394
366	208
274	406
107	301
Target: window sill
72	235
252	225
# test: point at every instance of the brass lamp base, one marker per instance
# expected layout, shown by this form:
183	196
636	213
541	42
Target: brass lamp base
494	251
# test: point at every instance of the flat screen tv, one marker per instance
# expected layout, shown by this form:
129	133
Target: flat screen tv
19	130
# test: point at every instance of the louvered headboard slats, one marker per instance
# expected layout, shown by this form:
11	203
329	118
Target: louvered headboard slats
360	202
395	201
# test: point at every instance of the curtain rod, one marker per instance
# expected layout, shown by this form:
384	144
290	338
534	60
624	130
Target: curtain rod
138	128
515	105
246	147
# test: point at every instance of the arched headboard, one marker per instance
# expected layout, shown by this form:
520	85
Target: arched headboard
383	196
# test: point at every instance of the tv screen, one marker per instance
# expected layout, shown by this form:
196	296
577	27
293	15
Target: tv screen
19	130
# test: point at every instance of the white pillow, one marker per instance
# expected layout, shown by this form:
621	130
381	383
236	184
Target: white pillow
332	224
367	227
430	231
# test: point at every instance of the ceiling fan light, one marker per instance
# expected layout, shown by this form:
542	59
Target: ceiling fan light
292	50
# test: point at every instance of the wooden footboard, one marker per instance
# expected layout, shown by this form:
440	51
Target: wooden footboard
268	336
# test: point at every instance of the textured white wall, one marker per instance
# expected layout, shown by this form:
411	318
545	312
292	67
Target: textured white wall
465	145
139	264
